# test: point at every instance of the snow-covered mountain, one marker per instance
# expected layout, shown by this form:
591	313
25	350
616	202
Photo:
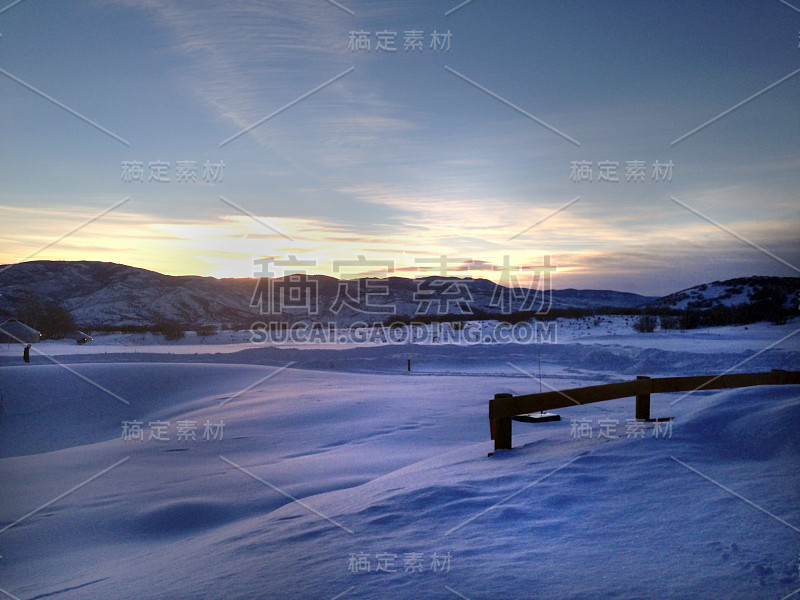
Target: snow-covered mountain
778	291
101	293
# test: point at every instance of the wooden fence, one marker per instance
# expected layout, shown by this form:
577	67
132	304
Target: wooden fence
506	406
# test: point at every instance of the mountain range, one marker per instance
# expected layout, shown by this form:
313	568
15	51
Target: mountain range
110	294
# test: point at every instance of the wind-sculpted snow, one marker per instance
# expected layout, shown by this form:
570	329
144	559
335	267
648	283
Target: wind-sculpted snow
181	518
345	460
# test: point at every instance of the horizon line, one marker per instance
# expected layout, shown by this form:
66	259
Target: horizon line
387	276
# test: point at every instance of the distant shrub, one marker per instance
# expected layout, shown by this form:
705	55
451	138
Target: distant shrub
206	330
690	319
645	324
670	322
170	330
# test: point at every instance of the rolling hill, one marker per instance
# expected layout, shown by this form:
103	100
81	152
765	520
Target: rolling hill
110	294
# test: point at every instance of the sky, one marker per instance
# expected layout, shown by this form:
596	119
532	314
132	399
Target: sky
205	138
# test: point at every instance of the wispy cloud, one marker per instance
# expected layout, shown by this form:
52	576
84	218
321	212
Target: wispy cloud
257	57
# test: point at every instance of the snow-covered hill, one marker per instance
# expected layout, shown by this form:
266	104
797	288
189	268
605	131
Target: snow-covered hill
100	293
777	291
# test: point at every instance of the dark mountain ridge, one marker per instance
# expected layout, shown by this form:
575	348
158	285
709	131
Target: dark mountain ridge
109	294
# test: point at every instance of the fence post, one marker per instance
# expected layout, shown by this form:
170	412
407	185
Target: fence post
643	398
501	428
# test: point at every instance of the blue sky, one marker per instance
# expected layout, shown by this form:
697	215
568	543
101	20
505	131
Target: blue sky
404	157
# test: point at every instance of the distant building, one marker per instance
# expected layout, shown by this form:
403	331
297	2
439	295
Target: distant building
14	332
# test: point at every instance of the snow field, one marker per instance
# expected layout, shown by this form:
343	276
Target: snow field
393	464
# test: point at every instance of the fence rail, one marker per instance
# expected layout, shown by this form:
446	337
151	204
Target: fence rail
506	406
